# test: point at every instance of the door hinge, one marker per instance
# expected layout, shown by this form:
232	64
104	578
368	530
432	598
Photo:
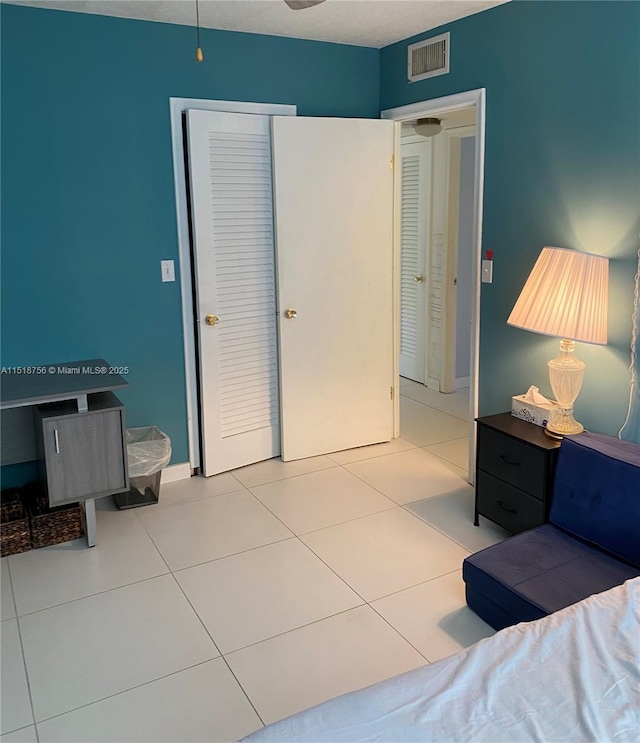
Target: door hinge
391	162
391	392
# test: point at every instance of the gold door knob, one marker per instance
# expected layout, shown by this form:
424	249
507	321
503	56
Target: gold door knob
290	314
419	279
212	319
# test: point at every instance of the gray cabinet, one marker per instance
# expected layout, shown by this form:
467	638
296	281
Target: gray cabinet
83	453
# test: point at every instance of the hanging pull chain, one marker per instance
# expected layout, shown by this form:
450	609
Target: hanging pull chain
199	54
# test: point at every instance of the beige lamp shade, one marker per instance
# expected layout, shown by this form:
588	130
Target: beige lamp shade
566	295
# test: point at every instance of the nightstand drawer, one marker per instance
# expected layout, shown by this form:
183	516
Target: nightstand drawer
511	508
513	461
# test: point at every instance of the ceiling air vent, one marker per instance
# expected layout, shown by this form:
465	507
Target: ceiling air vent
428	58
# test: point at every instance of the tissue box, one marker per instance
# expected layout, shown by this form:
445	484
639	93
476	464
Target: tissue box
528	411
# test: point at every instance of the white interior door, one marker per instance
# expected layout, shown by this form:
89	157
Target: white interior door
415	206
232	216
333	187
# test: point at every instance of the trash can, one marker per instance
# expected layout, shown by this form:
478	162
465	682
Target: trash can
148	452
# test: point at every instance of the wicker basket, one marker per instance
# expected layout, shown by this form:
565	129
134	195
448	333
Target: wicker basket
51	525
14	524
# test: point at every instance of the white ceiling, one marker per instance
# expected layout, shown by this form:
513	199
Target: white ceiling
374	23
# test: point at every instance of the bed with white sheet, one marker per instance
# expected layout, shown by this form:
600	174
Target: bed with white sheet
572	676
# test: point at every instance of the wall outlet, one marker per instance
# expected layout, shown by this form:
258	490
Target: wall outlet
487	272
168	271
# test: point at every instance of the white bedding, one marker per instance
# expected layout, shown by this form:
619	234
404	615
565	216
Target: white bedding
572	676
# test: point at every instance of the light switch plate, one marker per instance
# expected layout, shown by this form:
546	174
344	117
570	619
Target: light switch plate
168	271
487	272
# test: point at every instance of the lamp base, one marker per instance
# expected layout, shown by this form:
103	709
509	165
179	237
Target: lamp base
563	424
565	374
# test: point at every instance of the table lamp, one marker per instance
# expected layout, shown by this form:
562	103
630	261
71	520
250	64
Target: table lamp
566	296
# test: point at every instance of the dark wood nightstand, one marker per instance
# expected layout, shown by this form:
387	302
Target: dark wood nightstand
515	465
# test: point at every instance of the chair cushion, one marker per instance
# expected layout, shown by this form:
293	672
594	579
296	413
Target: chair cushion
536	573
596	493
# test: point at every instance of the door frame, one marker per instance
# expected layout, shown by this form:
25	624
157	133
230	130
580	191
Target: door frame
433	108
177	106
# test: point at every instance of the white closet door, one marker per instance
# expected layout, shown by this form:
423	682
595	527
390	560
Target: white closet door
414	216
232	214
333	187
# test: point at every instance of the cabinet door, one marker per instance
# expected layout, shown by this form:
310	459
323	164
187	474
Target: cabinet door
507	506
84	456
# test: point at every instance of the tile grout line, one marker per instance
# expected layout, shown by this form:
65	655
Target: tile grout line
220	654
329	526
322	619
434	527
198	616
96	593
340	578
24	660
241	489
397	631
125	691
223	656
376	456
13	595
415	585
232	554
399	505
151	539
433	407
26	670
444	459
293	477
280	634
438	410
356	518
19	730
222	557
244	691
384	495
366	603
346	521
466	420
369	603
302	626
170	571
375	514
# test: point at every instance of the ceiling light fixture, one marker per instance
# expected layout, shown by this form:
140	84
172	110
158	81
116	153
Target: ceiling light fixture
428	127
302	4
199	54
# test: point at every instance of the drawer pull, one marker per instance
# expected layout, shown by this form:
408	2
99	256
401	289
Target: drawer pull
511	462
506	508
56	440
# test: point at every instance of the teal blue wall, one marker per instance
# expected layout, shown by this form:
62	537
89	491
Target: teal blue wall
87	180
562	168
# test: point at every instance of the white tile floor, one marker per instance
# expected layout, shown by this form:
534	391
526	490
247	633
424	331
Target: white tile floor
246	597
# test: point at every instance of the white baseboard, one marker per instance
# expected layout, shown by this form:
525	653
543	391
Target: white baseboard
176	472
462	382
432	384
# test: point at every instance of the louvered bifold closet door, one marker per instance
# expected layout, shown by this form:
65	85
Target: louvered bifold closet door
232	218
413	251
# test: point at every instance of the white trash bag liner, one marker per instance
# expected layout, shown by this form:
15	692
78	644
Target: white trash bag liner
148	451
